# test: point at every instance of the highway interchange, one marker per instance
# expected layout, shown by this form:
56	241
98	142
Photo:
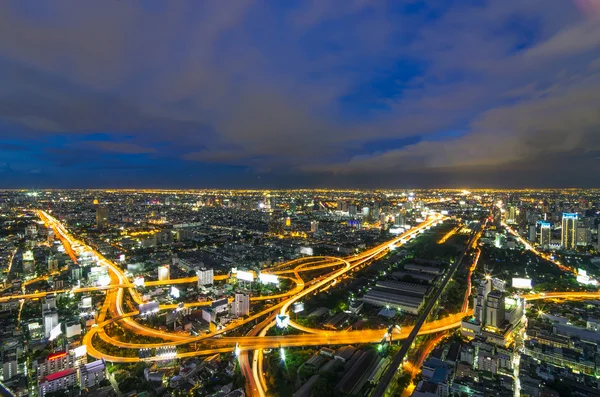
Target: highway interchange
113	310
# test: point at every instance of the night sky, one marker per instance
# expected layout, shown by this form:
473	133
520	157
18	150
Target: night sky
283	94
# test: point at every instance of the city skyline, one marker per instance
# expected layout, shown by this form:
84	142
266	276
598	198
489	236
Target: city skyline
301	95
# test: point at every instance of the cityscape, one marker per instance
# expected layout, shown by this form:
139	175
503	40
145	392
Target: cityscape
300	292
300	198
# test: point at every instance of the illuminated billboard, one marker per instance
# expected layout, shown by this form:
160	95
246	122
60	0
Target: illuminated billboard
55	332
306	251
521	283
268	278
245	276
138	281
282	321
298	307
175	292
80	351
147	308
104	280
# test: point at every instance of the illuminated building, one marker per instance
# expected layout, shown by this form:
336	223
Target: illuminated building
28	262
288	222
60	361
50	321
532	234
569	231
240	305
205	277
9	364
163	273
58	381
494	310
545	234
583	234
479	302
101	217
511	215
92	374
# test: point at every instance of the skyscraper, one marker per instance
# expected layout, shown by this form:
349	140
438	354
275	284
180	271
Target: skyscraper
101	217
241	305
479	304
494	310
569	230
545	234
583	234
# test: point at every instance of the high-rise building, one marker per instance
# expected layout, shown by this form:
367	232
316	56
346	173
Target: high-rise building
205	277
494	309
479	302
92	374
532	234
50	321
101	217
569	230
583	234
241	305
511	215
163	273
545	234
9	364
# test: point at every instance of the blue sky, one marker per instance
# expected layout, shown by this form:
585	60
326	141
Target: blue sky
351	93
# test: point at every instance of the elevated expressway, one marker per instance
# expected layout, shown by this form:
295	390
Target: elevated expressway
256	340
120	283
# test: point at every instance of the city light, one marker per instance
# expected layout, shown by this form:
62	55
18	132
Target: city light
282	354
282	321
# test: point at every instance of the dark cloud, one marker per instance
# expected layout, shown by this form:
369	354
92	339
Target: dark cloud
280	91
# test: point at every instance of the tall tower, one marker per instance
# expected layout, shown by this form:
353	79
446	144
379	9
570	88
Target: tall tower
479	304
101	217
495	309
569	230
545	234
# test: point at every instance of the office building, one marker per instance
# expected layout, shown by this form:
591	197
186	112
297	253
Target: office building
511	215
205	277
101	217
62	380
9	365
583	234
241	305
569	231
532	234
494	310
92	374
75	272
479	302
50	321
545	234
59	361
163	273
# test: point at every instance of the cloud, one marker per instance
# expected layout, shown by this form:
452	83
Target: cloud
314	89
